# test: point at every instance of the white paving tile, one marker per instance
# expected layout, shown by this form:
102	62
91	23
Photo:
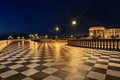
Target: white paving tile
75	77
35	61
91	61
50	70
114	64
103	60
113	73
12	59
16	66
29	72
48	60
33	65
115	59
49	64
52	78
116	56
27	78
2	66
96	75
6	62
85	67
105	56
22	61
101	66
8	73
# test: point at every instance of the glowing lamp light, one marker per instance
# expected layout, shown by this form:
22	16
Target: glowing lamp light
74	22
57	29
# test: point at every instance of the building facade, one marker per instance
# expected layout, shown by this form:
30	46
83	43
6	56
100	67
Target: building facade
112	33
96	31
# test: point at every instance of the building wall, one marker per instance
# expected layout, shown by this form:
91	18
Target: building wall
112	32
96	32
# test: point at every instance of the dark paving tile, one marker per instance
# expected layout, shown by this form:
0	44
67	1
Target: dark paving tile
104	57
39	76
114	68
114	61
2	60
4	70
41	67
1	78
104	63
83	72
22	69
87	78
99	70
16	77
115	57
106	54
109	77
41	62
26	63
62	74
10	64
59	66
88	63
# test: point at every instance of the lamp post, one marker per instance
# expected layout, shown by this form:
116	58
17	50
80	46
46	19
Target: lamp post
74	24
56	30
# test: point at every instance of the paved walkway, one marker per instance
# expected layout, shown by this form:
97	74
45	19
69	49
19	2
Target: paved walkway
57	61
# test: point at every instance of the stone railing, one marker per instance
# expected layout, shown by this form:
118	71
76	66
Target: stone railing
4	43
111	44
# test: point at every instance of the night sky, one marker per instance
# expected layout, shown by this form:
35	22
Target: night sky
41	16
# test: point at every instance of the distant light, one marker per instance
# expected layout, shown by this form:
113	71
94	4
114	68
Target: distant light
22	37
36	34
18	37
57	29
71	36
74	22
46	36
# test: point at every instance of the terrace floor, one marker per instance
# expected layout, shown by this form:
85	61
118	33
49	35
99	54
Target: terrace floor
57	61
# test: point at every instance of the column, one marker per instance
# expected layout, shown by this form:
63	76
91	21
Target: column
96	44
115	45
105	45
81	43
92	44
112	44
84	43
119	44
102	44
99	44
108	46
89	43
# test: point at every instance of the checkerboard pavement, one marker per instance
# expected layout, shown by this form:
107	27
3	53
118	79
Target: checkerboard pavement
56	61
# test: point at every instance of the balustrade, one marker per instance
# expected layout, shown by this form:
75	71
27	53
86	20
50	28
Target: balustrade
113	44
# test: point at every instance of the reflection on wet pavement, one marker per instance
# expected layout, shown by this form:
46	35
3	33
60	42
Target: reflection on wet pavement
57	61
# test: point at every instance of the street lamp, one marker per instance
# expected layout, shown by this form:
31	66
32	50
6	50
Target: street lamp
10	37
36	36
46	36
74	24
57	30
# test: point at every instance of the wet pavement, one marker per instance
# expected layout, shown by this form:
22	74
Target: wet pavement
57	61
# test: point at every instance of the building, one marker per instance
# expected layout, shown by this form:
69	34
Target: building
96	31
112	33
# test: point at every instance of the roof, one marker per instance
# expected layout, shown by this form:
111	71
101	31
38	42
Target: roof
97	27
113	27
